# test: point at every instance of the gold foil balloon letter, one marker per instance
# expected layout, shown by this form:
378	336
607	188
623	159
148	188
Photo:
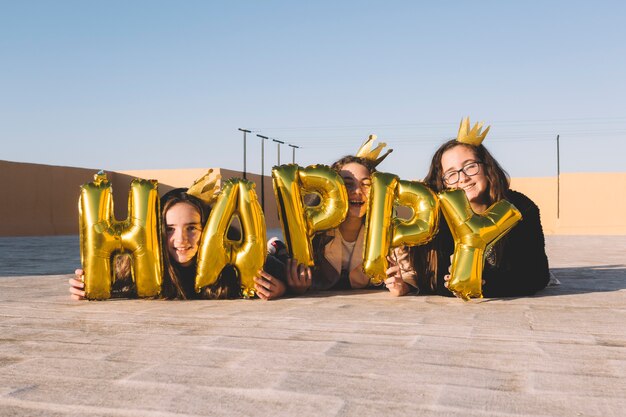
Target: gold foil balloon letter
473	234
102	237
384	230
423	224
299	221
216	250
378	225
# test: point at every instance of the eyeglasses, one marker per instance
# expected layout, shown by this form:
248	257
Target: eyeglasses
470	170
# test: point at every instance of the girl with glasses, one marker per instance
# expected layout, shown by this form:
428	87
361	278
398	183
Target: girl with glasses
517	265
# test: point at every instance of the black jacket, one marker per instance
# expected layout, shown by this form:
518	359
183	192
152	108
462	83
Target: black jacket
521	262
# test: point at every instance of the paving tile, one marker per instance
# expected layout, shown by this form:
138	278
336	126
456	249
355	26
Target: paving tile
360	353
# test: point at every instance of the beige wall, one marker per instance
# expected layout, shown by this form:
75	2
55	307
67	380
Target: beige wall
590	203
172	178
39	199
43	199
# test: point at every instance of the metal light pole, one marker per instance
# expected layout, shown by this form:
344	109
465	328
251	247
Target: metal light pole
558	178
293	155
263	139
244	150
278	143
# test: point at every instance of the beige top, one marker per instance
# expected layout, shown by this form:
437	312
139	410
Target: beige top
348	251
335	252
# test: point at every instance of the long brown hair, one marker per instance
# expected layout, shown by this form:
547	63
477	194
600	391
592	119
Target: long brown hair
173	286
175	278
348	159
498	184
497	178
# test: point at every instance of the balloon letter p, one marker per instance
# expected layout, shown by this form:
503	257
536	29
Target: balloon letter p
299	221
384	230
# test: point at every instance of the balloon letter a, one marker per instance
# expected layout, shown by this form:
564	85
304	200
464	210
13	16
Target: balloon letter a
216	250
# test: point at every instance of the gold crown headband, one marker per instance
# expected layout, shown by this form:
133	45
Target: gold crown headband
366	151
207	187
471	137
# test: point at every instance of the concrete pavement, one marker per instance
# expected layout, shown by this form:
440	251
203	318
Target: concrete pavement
362	353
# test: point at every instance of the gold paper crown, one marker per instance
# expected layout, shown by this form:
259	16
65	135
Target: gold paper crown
471	137
206	188
366	151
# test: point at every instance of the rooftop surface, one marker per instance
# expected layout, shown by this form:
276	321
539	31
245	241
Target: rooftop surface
362	353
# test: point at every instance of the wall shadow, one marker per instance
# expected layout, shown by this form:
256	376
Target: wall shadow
43	199
582	280
587	279
575	280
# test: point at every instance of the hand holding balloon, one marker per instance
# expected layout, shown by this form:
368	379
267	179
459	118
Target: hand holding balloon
77	285
394	281
268	287
446	278
299	277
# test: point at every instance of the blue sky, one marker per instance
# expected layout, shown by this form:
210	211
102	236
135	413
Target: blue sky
166	84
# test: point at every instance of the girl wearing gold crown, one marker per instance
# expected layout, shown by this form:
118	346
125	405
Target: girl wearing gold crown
338	253
183	218
517	265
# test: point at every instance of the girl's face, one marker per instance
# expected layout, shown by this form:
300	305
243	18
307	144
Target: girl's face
461	160
358	183
183	227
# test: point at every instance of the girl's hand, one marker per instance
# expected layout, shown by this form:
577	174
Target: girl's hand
446	278
394	282
268	287
299	277
396	286
77	285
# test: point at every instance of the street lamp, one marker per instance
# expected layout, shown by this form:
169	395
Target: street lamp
558	178
278	143
244	150
263	139
293	155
